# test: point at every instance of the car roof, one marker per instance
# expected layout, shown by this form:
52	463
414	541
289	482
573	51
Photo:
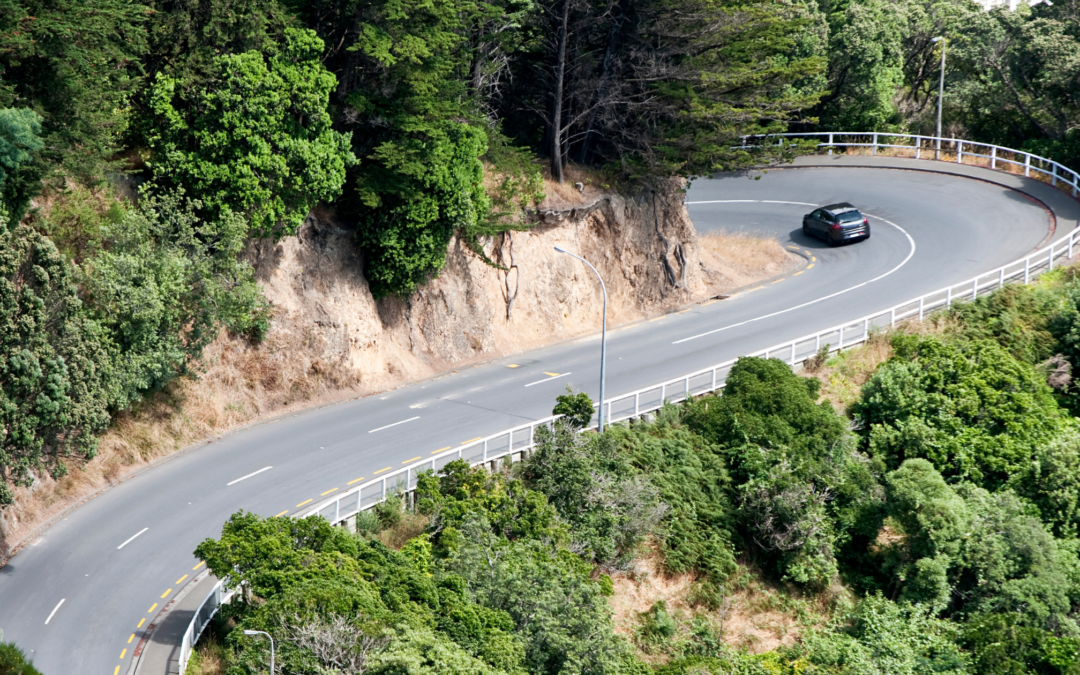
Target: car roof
837	209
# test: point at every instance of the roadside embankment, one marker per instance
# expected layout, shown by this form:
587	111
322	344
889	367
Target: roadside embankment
330	339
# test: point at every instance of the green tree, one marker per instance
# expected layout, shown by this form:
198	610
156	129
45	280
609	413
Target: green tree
77	64
13	661
576	409
256	140
55	374
969	407
20	130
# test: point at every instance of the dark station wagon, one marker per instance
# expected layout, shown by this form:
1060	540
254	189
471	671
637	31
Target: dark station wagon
836	224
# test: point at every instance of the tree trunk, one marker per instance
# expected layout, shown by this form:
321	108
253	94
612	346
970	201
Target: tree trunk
601	83
561	38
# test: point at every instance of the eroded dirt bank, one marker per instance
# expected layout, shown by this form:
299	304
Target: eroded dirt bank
330	339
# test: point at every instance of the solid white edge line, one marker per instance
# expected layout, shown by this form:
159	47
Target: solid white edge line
394	424
253	473
53	612
748	201
132	538
547	379
821	299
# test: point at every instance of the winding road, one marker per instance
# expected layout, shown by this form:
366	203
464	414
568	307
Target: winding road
78	599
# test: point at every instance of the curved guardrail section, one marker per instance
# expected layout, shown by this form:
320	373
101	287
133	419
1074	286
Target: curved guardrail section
514	443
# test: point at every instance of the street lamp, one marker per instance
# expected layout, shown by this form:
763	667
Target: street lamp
603	333
259	632
940	95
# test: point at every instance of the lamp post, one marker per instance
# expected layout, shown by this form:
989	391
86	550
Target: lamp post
259	632
940	96
603	333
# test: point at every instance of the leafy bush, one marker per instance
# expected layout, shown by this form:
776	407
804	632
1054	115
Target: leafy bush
13	661
970	408
256	139
1000	645
577	409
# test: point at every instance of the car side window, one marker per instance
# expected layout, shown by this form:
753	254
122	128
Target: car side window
818	215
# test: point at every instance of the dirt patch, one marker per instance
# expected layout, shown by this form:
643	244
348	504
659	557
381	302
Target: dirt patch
734	259
751	615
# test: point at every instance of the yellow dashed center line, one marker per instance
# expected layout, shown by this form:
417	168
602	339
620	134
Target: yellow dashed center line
123	653
792	246
328	492
706	304
411	460
633	325
306	501
141	622
181	580
813	258
355	481
809	266
548	374
197	566
152	608
381	470
798	273
755	289
479	437
685	311
512	365
117	671
440	450
778	281
806	252
278	515
166	593
656	319
131	638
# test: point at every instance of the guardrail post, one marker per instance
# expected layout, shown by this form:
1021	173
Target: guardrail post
1053	175
948	297
892	317
1070	246
866	328
875	145
959	152
1027	165
921	307
817	343
1001	278
793	352
993	157
1027	272
1050	259
637	403
918	146
841	345
975	288
830	145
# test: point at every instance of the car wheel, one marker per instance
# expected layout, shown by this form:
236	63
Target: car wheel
806	230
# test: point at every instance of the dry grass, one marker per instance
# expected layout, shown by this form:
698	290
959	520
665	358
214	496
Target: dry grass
411	525
753	250
753	615
565	195
209	657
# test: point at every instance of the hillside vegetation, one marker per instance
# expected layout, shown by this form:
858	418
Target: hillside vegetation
142	144
931	526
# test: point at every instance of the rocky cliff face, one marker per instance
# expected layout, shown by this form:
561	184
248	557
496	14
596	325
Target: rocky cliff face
326	319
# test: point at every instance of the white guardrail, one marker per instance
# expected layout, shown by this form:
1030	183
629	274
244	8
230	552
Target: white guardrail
514	443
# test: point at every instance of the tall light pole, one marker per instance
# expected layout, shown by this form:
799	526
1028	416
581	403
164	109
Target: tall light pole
260	632
940	96
603	333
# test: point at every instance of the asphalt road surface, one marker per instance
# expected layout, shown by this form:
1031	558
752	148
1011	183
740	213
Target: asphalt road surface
77	599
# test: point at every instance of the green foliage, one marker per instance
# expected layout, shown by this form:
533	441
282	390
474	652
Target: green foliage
256	139
690	473
608	505
802	487
54	370
1001	646
75	63
20	136
13	661
165	286
865	65
885	638
969	407
577	409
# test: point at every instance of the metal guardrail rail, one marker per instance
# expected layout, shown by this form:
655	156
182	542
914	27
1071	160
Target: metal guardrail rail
516	442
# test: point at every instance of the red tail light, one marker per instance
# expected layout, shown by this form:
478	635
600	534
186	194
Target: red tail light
865	221
835	226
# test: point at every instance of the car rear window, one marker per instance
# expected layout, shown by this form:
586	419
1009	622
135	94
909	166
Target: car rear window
849	216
